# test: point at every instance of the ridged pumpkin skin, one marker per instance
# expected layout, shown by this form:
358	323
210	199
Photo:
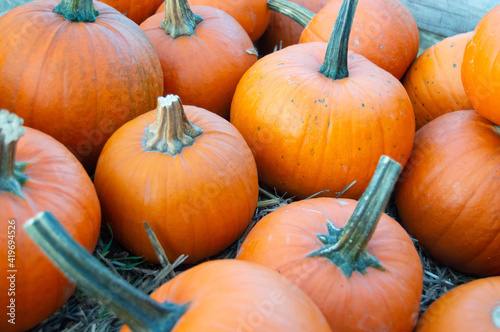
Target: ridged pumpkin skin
231	295
136	10
56	182
252	15
310	133
481	67
283	31
468	307
203	69
377	301
77	82
447	194
434	81
384	31
198	202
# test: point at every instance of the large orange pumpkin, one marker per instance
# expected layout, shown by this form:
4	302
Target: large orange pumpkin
252	15
137	10
196	185
319	119
448	194
76	81
481	67
283	31
384	31
36	174
363	276
219	295
434	82
474	306
203	55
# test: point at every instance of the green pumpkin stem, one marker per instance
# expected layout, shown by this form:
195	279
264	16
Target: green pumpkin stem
136	309
171	131
179	19
347	247
11	172
290	9
77	10
335	64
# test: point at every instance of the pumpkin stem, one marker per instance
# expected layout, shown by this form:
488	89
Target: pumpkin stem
296	12
335	64
11	172
179	19
171	131
77	10
347	247
136	309
495	315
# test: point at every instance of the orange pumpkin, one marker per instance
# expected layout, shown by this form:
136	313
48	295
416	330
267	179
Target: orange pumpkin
447	193
481	67
283	31
203	55
384	31
363	276
252	15
434	82
38	173
76	81
319	119
474	306
204	190
136	10
219	295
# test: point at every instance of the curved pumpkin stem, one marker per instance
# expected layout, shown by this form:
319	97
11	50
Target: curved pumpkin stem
11	172
335	64
179	19
290	9
347	247
136	309
171	131
77	10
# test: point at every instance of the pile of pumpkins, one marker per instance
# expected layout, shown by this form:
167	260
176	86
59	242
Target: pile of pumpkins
179	115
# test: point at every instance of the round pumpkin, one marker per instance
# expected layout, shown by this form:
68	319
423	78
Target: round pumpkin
219	295
384	31
38	173
356	263
136	10
481	66
283	31
474	306
434	82
79	80
447	195
252	15
203	55
317	118
204	190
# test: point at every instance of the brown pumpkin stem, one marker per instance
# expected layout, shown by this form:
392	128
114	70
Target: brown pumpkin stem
290	9
347	247
171	131
77	10
179	19
335	64
11	172
136	309
495	316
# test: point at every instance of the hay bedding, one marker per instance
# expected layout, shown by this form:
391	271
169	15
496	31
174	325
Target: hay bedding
82	313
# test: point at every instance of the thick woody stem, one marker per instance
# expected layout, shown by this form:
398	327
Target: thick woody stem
172	131
179	19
